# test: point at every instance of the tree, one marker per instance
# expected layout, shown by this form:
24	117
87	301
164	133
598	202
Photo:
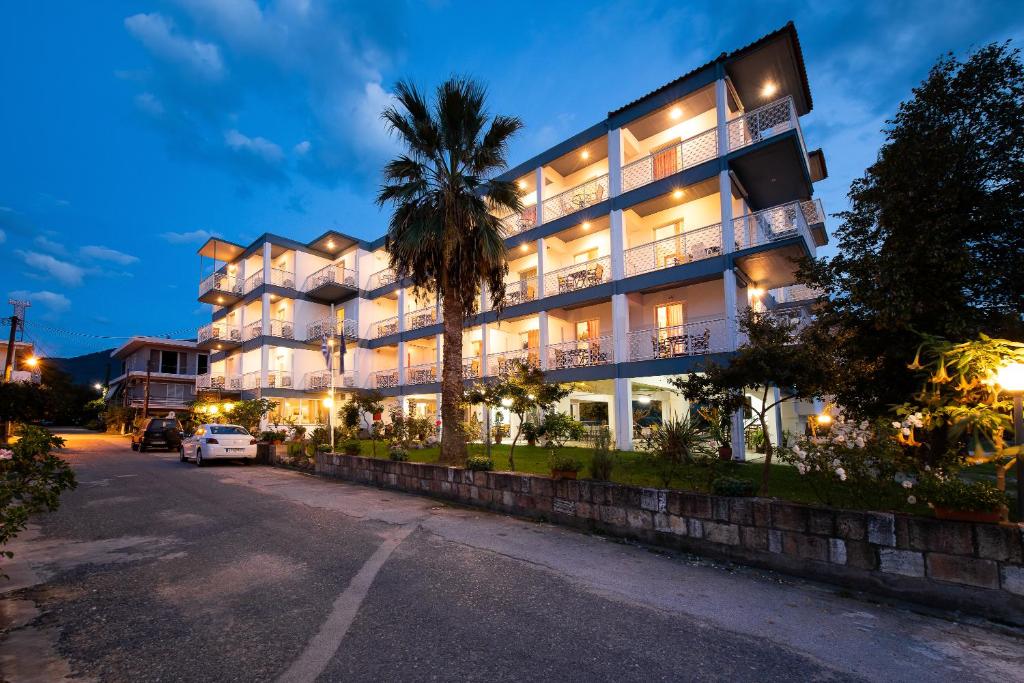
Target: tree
773	355
369	402
522	390
443	235
250	413
933	242
20	402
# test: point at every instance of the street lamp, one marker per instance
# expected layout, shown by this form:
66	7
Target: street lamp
32	361
1010	379
97	386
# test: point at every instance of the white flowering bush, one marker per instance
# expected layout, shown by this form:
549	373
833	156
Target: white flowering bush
851	464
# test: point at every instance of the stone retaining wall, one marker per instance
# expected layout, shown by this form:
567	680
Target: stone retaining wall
977	568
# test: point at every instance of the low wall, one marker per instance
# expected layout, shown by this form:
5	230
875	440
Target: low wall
977	568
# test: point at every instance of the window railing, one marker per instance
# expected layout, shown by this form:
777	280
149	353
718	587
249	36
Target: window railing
578	276
253	329
515	223
220	282
686	247
502	363
349	328
695	338
336	273
576	198
381	278
281	328
385	379
253	281
383	328
519	291
764	122
320	380
421	318
770	225
282	278
219	332
669	160
471	368
422	373
279	379
581	354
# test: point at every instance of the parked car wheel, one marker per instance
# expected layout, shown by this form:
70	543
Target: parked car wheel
199	458
142	447
181	455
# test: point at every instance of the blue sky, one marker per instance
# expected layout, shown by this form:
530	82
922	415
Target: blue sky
132	130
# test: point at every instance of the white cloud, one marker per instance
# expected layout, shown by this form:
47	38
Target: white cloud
49	246
303	148
261	148
372	131
157	34
150	104
57	303
3	236
107	254
62	271
187	237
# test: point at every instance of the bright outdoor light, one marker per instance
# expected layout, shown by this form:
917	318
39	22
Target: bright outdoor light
328	402
1011	377
586	225
506	402
521	184
756	292
678	194
97	386
769	89
643	400
31	361
228	407
523	248
220	299
824	419
585	154
675	113
213	410
530	396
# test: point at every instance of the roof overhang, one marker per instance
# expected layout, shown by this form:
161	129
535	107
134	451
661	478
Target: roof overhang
136	343
333	243
221	250
774	59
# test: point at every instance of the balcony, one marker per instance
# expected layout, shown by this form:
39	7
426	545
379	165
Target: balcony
423	317
577	198
219	336
276	379
316	330
516	223
423	373
218	382
320	380
771	225
29	376
471	368
763	123
253	330
794	295
283	329
382	278
384	379
383	328
220	289
670	160
581	354
332	284
695	338
519	291
686	247
578	276
278	277
502	363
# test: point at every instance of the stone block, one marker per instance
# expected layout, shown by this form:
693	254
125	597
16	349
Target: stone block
821	522
998	542
563	506
861	555
695	505
1013	579
662	522
679	525
446	487
625	496
727	534
837	551
789	517
586	510
639	519
851	526
755	538
508	498
902	562
774	541
583	491
962	570
612	514
480	479
805	546
741	511
598	493
653	500
524	501
933	535
762	512
542	486
695	528
673	502
720	508
881	528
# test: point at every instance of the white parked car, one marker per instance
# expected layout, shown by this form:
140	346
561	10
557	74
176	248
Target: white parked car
218	442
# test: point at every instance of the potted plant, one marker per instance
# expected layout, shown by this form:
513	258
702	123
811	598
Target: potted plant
531	431
718	430
498	427
953	498
564	466
479	463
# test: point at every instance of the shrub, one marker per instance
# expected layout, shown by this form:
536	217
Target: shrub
479	463
398	455
298	432
727	486
531	430
677	443
351	447
564	463
558	428
954	493
602	461
472	429
271	435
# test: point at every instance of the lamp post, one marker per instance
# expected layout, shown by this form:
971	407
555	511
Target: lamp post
1010	379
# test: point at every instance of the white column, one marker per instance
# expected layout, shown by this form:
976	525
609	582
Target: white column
438	342
542	319
268	263
541	266
623	414
739	445
620	327
401	310
615	162
725	196
264	364
401	362
729	291
483	350
722	111
539	180
618	244
778	415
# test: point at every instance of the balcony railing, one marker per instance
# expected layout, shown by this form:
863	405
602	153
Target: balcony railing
251	380
519	291
581	354
219	331
384	379
253	281
669	160
578	276
276	379
282	278
794	294
381	278
383	328
320	380
516	223
422	373
770	225
502	363
471	368
29	376
813	211
421	318
686	247
690	339
209	381
579	197
281	328
253	329
221	282
349	328
764	122
335	273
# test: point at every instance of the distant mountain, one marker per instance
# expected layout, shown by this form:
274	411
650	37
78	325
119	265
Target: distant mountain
89	368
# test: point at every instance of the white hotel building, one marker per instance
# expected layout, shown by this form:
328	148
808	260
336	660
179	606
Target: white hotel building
642	239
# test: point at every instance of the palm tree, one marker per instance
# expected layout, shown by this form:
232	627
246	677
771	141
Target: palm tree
443	235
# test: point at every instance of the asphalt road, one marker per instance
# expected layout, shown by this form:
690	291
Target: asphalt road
154	570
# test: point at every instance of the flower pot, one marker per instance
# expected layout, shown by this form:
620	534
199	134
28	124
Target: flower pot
968	515
563	474
725	452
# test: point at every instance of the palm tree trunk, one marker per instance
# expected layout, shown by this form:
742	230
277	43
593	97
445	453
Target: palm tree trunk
453	440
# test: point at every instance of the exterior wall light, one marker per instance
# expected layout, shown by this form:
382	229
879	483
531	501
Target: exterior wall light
228	407
675	113
769	89
506	402
32	361
643	400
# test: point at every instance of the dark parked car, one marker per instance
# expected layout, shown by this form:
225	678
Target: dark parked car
157	432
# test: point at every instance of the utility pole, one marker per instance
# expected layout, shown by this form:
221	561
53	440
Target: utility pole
17	319
145	400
